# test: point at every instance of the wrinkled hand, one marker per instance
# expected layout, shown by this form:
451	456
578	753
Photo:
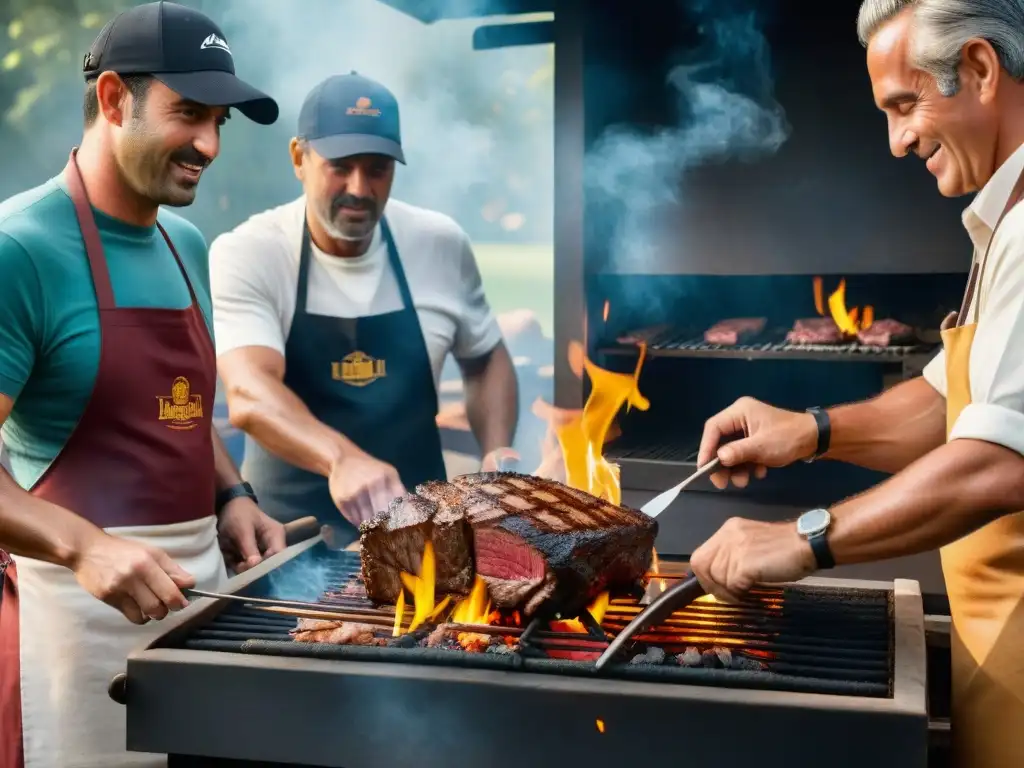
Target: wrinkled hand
140	581
498	459
247	534
361	486
772	437
747	552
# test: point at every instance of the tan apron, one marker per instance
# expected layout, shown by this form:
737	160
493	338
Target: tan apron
984	574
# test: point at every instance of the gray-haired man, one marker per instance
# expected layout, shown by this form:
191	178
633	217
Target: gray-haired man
949	76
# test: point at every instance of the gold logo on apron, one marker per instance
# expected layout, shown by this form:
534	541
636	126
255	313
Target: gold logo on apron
358	369
182	408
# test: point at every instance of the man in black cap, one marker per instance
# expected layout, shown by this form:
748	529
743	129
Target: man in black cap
120	493
335	314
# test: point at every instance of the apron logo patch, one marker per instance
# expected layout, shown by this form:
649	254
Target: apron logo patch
358	369
181	409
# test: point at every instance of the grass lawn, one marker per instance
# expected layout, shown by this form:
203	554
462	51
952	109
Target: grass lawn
519	277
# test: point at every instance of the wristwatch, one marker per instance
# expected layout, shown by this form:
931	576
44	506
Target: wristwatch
233	492
824	432
813	526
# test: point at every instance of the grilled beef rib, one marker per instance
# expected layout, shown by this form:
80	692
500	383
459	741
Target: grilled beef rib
536	543
734	331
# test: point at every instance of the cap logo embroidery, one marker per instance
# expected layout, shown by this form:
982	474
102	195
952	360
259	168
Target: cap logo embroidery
215	41
363	107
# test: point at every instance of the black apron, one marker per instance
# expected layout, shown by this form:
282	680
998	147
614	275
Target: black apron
370	379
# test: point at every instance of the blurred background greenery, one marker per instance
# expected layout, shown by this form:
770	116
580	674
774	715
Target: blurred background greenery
477	125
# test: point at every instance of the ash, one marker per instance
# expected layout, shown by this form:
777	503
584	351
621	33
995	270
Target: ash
718	657
715	657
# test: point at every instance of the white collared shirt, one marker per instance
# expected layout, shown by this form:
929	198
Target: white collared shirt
996	412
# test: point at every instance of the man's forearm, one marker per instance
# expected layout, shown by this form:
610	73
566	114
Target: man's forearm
31	527
889	432
492	398
954	490
223	465
277	419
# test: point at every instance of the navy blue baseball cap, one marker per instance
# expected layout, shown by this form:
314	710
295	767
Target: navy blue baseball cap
349	115
183	49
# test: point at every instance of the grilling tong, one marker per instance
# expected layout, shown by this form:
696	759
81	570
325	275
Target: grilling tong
679	596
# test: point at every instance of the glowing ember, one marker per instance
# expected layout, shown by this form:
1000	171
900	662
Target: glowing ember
607	307
600	725
848	321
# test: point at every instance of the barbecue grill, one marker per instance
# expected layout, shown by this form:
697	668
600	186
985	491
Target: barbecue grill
782	681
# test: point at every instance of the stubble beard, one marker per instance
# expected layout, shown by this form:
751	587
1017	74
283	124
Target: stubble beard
145	166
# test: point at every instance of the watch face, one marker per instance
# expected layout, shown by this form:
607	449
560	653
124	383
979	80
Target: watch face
813	522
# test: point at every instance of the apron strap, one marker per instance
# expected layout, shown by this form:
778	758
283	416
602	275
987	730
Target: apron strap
349	325
90	234
978	268
396	265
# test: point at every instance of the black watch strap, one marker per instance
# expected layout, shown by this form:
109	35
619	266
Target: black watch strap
824	431
233	492
822	551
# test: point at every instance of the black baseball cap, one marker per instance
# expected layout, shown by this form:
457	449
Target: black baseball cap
183	49
349	115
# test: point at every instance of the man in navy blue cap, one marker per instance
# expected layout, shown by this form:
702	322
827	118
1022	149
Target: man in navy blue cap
120	493
335	314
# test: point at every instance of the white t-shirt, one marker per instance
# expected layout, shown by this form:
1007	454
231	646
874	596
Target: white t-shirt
996	412
254	272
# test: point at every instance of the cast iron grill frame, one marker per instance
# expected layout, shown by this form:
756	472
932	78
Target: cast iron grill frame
800	634
300	711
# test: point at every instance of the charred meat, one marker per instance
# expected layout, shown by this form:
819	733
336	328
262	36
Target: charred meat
734	331
815	330
535	542
393	542
886	333
334	632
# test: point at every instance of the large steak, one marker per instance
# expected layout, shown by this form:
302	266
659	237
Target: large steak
734	330
535	542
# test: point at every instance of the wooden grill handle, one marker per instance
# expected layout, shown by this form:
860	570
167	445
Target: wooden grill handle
301	530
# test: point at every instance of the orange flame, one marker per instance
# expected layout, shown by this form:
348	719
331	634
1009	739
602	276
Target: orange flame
422	589
582	438
607	307
474	609
850	321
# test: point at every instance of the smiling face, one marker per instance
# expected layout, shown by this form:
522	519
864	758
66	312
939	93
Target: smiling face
956	135
163	145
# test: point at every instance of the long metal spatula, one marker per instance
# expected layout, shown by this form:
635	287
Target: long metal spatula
660	503
674	599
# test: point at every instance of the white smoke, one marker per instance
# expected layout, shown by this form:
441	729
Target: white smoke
632	174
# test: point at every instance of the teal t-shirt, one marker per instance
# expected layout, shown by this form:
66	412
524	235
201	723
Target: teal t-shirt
49	321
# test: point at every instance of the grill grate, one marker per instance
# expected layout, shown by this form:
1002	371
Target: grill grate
669	342
808	639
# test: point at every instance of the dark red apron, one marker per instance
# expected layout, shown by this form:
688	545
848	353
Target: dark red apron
142	453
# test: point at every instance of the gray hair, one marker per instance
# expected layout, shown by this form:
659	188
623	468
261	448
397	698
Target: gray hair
943	27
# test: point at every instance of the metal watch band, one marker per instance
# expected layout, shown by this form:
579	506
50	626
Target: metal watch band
824	431
233	492
822	551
